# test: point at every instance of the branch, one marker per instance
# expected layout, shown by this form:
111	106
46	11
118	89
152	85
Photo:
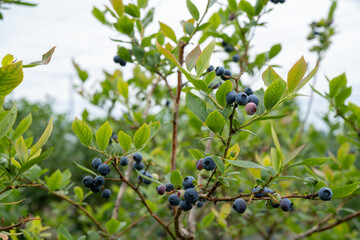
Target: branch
148	98
19	224
131	226
247	196
21	186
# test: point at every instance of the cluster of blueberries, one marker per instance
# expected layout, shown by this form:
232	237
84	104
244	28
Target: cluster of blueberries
246	98
277	1
95	184
119	60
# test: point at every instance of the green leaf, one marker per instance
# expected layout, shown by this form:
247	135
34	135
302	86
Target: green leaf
293	154
247	7
274	93
85	168
176	178
125	25
79	193
245	164
112	225
344	191
269	117
118	7
260	94
21	149
10	77
82	131
311	162
123	88
168	55
62	230
4	171
7	60
232	5
27	165
292	178
103	135
196	153
336	84
275	138
222	91
141	136
46	58
276	159
168	32
154	129
210	77
308	77
54	181
197	106
193	10
42	140
215	121
192	58
296	74
219	164
148	178
124	141
132	10
22	127
8	121
274	50
99	15
204	59
15	163
189	28
269	76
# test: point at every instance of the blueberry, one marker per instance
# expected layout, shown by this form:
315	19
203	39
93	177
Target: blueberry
95	189
219	71
230	97
325	194
199	164
208	163
169	187
268	190
161	189
147	174
191	196
216	86
104	169
248	91
167	103
96	163
174	200
254	99
236	58
232	16
200	204
274	204
137	157
138	166
239	205
122	62
250	108
229	48
185	206
106	193
88	181
223	43
188	182
117	59
124	161
258	192
286	204
210	68
241	98
99	181
226	75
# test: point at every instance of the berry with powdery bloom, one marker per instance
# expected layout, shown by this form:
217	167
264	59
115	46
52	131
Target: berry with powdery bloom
174	200
124	161
239	205
325	194
169	187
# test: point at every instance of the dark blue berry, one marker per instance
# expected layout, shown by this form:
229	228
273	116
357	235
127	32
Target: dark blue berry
254	99
106	193
117	59
188	182
95	189
286	204
258	192
230	97
174	200
239	205
88	181
232	16
161	189
96	163
122	62
268	190
209	163
169	187
229	48
137	157
191	196
248	91
99	181
200	203
138	166
219	71
210	68
104	169
236	58
226	75
274	204
325	194
147	174
241	98
124	161
185	206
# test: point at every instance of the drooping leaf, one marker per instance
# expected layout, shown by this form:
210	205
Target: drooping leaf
141	136
82	131
219	164
85	168
193	10
103	135
46	58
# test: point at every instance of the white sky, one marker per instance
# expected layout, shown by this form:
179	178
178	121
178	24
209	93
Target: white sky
27	33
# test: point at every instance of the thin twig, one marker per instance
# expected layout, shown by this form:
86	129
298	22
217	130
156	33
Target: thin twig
21	222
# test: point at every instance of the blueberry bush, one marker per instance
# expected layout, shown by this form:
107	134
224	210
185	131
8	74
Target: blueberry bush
189	149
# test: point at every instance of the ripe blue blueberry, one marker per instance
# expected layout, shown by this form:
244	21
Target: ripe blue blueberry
236	58
216	86
147	174
122	62
103	169
106	193
200	203
248	91
258	192
161	189
95	189
96	163
286	204
229	48
188	182
209	163
199	165
232	16
274	204
88	181
230	97
191	196
268	190
226	75
99	181
169	187
254	99
325	194
117	59
239	205
210	68
185	206
250	108
138	166
137	157
174	200
219	71
124	161
241	98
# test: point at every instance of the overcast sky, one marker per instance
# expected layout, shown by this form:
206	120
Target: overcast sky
27	33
